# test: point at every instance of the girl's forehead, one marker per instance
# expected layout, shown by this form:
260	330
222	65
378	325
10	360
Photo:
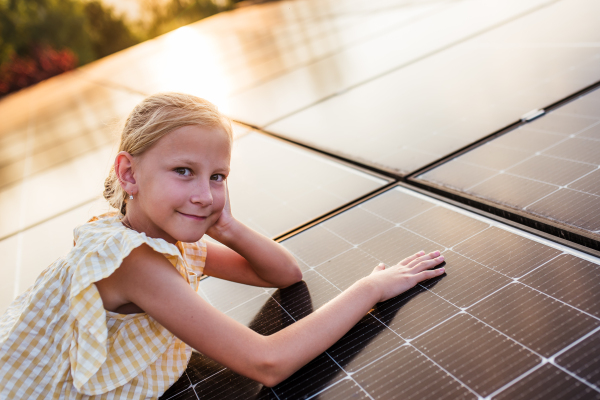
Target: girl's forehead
194	138
193	143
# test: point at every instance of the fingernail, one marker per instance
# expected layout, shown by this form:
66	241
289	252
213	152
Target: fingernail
442	270
436	253
421	252
381	264
441	258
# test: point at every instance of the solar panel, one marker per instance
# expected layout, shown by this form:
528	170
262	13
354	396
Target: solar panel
547	169
276	186
438	104
56	128
499	324
55	156
233	51
419	30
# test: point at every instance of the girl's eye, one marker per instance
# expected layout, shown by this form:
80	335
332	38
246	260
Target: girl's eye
183	171
217	177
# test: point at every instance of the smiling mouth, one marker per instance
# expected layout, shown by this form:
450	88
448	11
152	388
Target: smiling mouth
194	217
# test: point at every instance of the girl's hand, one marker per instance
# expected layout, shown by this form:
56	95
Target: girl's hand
390	282
225	222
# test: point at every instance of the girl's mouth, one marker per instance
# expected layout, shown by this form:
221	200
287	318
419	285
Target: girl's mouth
194	217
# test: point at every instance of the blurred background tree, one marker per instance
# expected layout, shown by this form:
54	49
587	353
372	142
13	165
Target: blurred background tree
43	38
165	16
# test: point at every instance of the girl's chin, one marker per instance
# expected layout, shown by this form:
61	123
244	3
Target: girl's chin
189	237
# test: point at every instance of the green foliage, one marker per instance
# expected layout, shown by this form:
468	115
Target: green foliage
108	33
28	24
165	16
67	33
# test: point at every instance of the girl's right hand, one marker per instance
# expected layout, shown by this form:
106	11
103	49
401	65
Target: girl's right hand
392	281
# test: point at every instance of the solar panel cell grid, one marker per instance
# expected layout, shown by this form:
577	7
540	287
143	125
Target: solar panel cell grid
571	207
345	389
414	312
555	177
347	268
363	344
541	323
262	314
571	280
385	246
475	353
506	253
468	283
229	385
444	226
303	298
474	332
513	190
548	382
407	374
583	359
588	184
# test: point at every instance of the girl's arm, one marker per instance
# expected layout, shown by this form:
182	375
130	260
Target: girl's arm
248	257
148	280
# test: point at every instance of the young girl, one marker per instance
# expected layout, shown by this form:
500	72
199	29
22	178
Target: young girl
119	315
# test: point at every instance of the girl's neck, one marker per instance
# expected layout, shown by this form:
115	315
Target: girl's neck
137	224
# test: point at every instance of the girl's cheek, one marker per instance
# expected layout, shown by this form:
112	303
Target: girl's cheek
219	198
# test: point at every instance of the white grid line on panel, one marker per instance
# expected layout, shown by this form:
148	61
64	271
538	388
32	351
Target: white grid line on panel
505	227
516	380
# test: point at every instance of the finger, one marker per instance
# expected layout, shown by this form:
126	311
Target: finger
379	267
429	274
418	260
427	264
409	259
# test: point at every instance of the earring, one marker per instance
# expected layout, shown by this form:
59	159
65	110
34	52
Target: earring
130	197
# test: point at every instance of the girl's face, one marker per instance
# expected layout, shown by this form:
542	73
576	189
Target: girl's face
180	184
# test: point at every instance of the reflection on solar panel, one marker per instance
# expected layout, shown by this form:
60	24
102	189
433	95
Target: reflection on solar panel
276	186
499	324
414	34
548	168
52	129
237	50
56	148
430	107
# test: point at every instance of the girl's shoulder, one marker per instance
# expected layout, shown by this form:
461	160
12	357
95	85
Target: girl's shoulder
101	245
104	242
106	235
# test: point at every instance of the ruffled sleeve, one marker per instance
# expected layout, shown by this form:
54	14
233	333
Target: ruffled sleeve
101	250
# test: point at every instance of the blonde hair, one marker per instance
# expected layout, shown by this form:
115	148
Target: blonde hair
152	119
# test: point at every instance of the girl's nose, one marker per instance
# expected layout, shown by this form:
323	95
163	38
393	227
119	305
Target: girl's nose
202	195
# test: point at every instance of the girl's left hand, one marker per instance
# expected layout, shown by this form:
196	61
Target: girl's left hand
225	222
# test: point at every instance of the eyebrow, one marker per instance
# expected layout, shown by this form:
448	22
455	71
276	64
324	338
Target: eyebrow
178	160
187	161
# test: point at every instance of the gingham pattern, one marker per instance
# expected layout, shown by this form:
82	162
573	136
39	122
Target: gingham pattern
58	342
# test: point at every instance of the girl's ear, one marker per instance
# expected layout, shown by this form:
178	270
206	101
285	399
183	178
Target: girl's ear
125	173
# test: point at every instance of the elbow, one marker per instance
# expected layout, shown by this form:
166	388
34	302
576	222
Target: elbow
270	371
296	273
294	276
270	381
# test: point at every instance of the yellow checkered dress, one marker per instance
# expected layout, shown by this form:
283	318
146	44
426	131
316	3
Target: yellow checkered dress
58	342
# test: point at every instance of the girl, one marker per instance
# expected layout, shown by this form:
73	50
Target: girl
119	315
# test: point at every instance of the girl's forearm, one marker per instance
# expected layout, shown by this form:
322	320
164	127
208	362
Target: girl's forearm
299	343
269	260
